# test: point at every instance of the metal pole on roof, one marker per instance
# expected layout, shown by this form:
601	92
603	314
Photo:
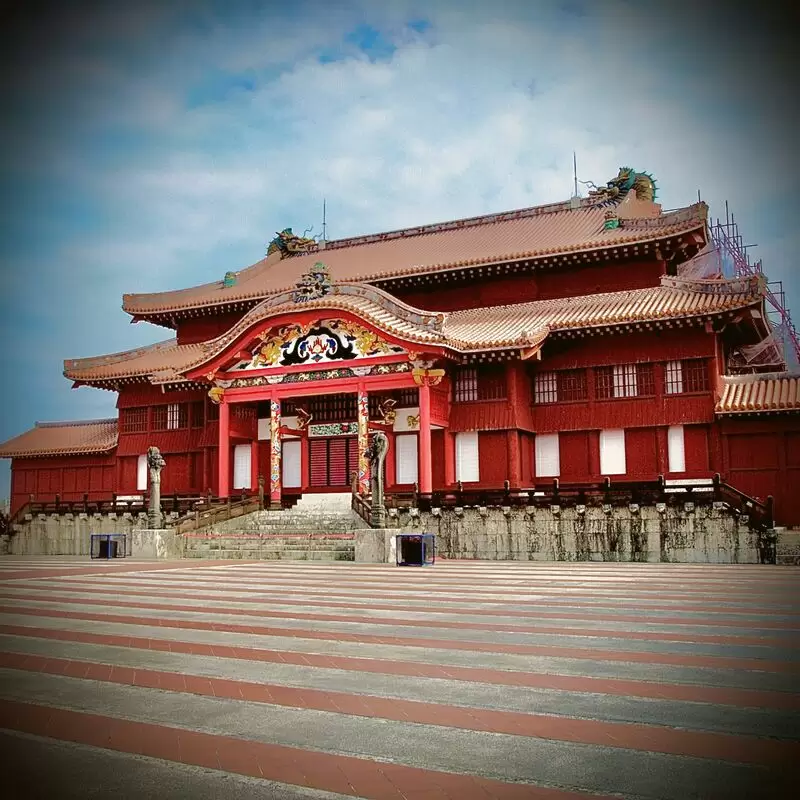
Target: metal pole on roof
575	172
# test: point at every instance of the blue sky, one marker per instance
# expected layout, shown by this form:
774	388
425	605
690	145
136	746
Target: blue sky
157	145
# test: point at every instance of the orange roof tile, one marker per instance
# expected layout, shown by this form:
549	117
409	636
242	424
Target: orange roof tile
674	299
63	438
525	325
750	394
527	233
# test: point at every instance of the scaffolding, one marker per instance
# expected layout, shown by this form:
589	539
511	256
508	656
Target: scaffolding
734	262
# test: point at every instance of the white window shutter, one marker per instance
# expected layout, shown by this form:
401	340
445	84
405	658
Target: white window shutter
548	458
676	449
406	458
241	466
291	464
141	474
467	457
612	452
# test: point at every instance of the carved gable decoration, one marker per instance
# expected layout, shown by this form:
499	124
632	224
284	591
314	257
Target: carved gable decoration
318	343
314	284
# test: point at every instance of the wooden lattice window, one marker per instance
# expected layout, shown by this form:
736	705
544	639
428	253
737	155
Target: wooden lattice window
624	380
465	388
564	386
160	418
196	413
177	416
487	382
572	385
686	377
133	420
545	388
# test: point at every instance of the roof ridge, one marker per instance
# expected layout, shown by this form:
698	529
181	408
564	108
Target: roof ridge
457	224
123	355
72	423
755	377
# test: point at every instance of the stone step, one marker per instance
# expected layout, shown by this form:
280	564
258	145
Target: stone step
275	555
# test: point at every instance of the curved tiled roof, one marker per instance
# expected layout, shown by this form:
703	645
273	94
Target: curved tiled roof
766	393
528	233
63	439
674	299
525	325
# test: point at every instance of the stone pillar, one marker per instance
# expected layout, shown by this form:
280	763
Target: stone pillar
155	463
363	441
425	463
275	453
224	451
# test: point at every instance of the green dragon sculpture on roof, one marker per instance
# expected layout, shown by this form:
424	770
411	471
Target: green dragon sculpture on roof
289	243
627	178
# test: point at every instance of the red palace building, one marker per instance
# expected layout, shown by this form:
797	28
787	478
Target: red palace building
578	340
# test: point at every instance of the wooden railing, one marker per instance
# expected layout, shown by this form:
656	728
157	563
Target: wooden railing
211	511
111	504
606	492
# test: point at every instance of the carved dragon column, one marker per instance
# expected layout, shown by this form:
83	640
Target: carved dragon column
363	441
275	453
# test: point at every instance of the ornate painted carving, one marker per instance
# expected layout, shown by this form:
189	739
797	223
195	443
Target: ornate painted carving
387	412
427	377
314	284
611	220
216	393
319	342
318	375
363	441
412	421
229	280
275	447
303	419
288	243
333	429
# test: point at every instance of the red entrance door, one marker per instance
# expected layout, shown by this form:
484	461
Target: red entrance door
331	461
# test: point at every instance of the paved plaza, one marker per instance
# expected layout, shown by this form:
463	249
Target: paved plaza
209	679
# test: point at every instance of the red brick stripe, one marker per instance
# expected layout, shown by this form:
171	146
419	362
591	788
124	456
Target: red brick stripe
746	698
258	594
593	633
628	736
112	569
717	618
347	775
682	659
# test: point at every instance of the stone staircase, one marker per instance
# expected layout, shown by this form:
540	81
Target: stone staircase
319	527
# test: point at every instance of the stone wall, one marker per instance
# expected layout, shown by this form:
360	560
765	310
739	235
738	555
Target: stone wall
701	534
67	534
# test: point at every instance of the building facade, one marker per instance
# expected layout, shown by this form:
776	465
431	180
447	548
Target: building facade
572	341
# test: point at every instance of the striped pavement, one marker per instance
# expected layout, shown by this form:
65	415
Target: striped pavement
489	680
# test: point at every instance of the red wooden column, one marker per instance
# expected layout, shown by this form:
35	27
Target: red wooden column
425	463
391	459
224	450
363	440
275	453
254	464
514	460
449	457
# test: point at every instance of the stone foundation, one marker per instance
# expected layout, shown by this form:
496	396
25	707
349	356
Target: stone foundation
68	534
689	534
